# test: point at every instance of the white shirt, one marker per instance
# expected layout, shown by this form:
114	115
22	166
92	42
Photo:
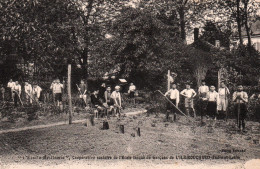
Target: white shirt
203	89
28	88
212	96
132	88
57	87
37	91
188	93
116	96
17	88
174	94
10	84
223	92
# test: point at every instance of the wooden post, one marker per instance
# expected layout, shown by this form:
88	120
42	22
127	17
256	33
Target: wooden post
168	80
69	93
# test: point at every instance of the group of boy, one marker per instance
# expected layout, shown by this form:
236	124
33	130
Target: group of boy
32	92
104	99
212	104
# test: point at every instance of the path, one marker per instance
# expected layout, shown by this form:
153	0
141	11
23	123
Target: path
59	123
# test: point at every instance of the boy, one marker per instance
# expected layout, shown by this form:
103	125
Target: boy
240	98
189	94
36	92
17	93
116	96
223	100
57	91
174	98
213	99
28	91
10	86
83	91
203	90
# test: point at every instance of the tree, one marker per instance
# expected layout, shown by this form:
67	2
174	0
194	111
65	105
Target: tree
140	46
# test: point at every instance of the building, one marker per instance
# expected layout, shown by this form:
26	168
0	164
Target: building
255	36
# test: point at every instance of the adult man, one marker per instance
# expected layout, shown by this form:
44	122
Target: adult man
96	101
17	93
189	94
174	98
28	91
83	91
202	92
10	86
223	100
116	96
102	90
240	98
213	100
57	91
36	92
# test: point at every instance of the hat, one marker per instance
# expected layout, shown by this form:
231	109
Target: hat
117	87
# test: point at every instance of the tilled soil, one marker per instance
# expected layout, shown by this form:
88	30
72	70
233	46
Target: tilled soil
164	141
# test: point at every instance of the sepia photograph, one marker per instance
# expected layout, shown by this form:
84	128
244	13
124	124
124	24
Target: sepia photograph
129	84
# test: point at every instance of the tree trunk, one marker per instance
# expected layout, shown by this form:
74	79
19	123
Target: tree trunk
182	23
239	22
246	23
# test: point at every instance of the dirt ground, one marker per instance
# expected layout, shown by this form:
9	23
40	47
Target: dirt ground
163	141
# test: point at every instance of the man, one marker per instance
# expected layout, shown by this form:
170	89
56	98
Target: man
174	98
223	100
240	98
117	99
213	100
36	92
10	86
57	91
28	91
102	90
17	93
189	94
202	92
83	91
96	101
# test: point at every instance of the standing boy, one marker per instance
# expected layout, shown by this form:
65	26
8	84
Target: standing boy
213	100
57	91
203	90
17	93
28	91
10	86
240	98
189	94
223	100
174	97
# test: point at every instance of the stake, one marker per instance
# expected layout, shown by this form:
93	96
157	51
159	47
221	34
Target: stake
69	93
19	97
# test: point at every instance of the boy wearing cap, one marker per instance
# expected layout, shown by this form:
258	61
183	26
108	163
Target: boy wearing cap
189	94
240	98
96	101
83	90
116	96
202	92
